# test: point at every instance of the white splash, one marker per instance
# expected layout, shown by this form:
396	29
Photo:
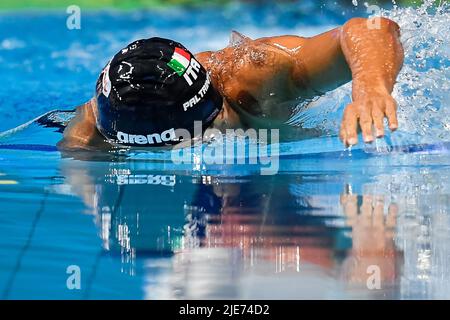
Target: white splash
422	90
423	85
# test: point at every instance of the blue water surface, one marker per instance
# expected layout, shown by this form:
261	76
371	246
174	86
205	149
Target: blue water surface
367	223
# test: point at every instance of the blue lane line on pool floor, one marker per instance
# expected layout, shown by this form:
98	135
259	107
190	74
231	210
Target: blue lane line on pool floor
37	147
438	147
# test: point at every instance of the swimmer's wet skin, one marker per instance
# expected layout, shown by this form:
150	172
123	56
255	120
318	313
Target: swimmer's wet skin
154	87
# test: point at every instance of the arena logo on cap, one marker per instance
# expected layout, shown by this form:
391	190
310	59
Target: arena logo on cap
184	65
153	138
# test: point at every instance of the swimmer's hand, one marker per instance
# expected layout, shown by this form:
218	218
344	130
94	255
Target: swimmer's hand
374	53
368	112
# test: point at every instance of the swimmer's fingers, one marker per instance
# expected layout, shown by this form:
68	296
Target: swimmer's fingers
365	122
378	121
385	106
370	112
349	126
391	113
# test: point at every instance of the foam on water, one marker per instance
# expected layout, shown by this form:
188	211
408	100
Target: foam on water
423	85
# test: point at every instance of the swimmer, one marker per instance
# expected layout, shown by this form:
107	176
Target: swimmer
154	87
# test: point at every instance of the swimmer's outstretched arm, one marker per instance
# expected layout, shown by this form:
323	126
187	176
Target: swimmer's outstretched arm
81	133
375	56
366	51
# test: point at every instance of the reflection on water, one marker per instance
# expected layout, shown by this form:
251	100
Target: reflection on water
310	234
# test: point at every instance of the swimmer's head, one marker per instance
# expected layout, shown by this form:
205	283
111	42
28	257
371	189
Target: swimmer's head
149	90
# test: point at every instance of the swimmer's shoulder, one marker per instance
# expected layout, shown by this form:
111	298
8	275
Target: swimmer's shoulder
272	52
284	42
288	43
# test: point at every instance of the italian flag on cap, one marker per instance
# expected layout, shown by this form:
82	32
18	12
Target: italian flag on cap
180	61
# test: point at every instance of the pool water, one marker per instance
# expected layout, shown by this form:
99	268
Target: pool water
368	223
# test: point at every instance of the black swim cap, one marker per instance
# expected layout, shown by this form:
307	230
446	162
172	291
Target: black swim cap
150	89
